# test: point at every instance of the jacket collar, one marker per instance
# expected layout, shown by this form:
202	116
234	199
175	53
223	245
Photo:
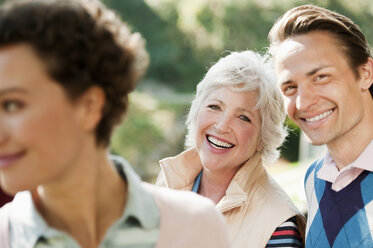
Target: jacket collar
238	191
180	172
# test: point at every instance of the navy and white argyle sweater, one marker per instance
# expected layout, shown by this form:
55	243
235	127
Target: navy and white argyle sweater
339	219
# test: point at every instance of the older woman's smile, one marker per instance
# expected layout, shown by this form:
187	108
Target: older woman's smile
217	143
228	129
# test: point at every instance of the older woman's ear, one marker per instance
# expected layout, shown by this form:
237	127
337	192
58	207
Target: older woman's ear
260	146
91	105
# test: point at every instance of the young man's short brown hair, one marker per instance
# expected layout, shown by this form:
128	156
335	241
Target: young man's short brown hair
307	18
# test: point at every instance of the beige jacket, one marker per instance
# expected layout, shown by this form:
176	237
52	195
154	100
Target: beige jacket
254	204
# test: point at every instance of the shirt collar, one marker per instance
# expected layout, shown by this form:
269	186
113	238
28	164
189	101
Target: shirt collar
26	221
329	170
140	203
364	161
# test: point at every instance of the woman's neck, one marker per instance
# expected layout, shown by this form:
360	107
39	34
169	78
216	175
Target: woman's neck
86	200
214	184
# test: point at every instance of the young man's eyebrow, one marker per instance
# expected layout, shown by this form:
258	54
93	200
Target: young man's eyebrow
315	70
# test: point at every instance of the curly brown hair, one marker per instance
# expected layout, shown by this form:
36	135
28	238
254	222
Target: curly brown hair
82	44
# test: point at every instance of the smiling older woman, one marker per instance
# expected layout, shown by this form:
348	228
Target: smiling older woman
235	125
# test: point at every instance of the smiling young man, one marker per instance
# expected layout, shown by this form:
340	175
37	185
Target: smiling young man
325	73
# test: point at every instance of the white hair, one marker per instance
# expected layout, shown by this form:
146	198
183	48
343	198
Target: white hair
246	71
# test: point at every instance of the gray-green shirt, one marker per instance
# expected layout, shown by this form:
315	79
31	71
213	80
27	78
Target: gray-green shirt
138	227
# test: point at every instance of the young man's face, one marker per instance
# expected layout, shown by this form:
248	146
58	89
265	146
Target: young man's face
322	94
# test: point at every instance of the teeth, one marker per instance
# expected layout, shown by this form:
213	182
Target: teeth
218	143
319	117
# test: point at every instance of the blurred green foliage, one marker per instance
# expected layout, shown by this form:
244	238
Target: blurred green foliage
153	129
185	37
136	139
290	148
172	56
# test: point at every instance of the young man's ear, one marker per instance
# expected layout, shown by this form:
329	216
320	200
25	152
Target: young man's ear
91	105
366	74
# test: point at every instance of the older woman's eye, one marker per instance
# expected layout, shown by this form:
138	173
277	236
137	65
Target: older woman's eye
12	106
245	118
213	107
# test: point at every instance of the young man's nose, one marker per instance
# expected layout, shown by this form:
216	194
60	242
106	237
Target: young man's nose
305	98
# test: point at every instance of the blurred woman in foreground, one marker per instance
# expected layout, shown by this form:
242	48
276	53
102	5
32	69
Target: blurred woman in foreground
235	125
66	69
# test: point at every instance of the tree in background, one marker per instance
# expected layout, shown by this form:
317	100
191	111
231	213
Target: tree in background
185	37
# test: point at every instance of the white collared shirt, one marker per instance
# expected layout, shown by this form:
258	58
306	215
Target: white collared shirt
138	226
341	178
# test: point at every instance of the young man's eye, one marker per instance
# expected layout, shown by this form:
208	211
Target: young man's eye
213	107
321	77
289	90
245	118
12	106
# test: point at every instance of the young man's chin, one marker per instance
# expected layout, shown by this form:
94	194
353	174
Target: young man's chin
316	141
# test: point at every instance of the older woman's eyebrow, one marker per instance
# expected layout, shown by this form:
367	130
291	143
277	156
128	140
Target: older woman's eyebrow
248	111
217	100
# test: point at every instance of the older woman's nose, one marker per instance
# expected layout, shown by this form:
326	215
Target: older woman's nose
223	124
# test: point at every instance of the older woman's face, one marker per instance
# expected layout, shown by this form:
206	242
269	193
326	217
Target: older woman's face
40	134
228	129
